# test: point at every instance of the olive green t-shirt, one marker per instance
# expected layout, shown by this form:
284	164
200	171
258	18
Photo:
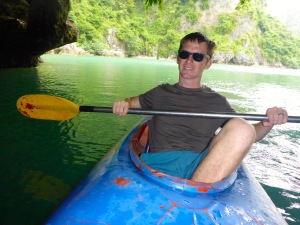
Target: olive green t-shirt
168	133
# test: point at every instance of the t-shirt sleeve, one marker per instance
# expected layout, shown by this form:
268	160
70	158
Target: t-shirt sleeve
146	99
227	109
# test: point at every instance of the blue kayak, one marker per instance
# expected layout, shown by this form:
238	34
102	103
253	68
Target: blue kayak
122	189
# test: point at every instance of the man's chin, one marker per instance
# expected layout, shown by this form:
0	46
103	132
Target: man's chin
186	76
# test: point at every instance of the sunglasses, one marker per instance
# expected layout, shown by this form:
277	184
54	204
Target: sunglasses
198	57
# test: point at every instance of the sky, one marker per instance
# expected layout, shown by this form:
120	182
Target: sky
280	7
287	11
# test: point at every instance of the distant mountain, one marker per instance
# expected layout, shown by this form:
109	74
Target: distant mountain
288	12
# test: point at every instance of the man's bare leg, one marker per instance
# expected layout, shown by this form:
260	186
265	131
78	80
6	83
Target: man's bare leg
226	151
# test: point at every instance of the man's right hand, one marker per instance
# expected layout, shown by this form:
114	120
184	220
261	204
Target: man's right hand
120	108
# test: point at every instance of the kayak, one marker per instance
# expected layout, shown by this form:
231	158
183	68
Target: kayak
122	189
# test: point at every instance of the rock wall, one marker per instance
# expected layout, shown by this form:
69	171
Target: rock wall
29	28
69	49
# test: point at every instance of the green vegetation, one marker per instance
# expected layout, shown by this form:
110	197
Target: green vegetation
278	45
141	29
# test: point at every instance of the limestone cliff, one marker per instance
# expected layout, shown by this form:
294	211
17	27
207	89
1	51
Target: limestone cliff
29	28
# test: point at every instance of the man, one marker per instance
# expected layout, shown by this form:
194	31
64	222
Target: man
188	147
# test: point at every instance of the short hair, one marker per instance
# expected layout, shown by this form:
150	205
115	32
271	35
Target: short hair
199	37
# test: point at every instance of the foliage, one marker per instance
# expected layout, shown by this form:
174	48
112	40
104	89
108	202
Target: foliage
244	4
227	23
277	43
204	4
149	3
140	28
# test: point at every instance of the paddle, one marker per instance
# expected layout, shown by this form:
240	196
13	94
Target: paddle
48	107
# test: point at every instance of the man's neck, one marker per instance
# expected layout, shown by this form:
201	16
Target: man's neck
186	83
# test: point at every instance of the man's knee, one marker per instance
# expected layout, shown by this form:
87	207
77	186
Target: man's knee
242	128
236	134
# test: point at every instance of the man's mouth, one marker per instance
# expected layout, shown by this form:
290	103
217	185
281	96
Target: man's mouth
188	68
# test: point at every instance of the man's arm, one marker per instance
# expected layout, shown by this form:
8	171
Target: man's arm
120	108
276	116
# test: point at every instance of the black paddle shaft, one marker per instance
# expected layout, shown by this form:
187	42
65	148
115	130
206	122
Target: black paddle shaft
256	117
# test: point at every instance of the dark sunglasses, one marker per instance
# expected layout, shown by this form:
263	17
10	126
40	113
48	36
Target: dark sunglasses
198	57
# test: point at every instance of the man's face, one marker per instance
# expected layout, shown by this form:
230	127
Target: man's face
189	69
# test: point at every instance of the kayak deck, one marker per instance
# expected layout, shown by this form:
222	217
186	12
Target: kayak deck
121	189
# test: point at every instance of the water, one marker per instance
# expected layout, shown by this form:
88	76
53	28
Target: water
41	161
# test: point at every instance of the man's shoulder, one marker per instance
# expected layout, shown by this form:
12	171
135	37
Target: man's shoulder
166	86
208	89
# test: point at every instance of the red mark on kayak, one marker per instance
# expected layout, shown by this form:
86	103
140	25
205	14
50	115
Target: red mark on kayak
199	188
139	167
168	212
122	182
174	205
202	189
159	174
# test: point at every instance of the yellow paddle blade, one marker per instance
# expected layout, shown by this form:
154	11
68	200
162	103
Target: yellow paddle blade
46	107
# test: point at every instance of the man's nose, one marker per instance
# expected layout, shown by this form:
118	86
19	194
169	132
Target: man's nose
190	58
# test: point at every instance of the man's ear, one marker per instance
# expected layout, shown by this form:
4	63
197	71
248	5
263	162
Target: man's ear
208	64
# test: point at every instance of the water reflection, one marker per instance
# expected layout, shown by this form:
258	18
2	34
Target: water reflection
43	187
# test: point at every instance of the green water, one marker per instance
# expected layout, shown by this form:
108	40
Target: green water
41	161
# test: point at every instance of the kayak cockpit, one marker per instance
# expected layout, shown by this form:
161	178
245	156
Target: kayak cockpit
139	145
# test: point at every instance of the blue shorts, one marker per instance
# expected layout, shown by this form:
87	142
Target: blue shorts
176	163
